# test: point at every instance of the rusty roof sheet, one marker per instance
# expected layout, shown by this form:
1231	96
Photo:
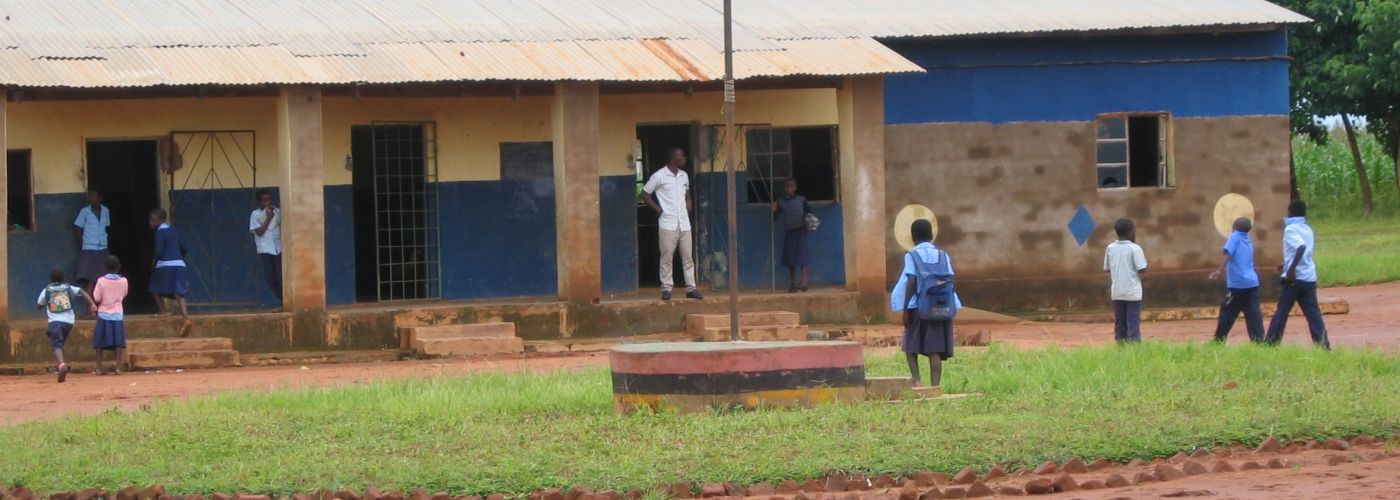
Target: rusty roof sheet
600	60
134	43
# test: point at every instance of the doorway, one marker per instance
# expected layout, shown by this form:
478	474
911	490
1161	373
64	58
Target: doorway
127	173
655	143
396	211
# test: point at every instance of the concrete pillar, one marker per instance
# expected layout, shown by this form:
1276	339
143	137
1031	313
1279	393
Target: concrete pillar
301	181
861	110
575	123
4	232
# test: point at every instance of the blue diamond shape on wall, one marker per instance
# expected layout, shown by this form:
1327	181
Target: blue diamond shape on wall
1081	225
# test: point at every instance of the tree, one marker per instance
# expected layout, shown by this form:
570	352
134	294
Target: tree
1324	53
1378	77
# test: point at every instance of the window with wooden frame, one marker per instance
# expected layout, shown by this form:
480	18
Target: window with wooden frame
806	154
20	189
1134	150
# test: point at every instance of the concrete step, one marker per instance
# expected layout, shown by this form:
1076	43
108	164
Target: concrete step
756	333
148	346
468	346
695	324
213	358
407	334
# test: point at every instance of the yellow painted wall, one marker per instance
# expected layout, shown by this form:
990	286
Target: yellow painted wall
56	131
469	130
620	115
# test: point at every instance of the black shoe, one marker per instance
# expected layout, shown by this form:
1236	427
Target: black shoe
665	295
792	289
694	294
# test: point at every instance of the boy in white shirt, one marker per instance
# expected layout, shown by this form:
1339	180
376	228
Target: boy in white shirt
1124	262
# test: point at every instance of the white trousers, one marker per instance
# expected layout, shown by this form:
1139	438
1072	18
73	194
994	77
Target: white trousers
670	240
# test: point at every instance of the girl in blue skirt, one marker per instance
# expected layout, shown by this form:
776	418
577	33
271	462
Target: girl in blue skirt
168	280
110	332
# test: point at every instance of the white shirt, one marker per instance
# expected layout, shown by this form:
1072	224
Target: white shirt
94	227
1124	260
1297	233
74	295
271	241
670	190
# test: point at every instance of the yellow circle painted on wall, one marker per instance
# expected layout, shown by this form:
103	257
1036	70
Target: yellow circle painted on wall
1230	207
906	217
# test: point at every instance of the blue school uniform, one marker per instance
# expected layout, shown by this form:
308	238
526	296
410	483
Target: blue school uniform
168	279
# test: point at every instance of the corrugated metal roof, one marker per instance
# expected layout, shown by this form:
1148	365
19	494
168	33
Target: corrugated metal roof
133	43
941	18
599	60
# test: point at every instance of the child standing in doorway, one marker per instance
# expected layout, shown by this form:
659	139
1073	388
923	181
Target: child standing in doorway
792	211
57	302
110	333
168	279
1124	262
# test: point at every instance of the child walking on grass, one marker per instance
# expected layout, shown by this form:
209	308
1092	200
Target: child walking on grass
924	296
57	302
110	333
168	279
1124	262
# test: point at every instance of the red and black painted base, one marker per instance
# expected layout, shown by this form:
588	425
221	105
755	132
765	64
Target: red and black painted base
693	377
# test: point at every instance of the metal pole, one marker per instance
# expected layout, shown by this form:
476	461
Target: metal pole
729	151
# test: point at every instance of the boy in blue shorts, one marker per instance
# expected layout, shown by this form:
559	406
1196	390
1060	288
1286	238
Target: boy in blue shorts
1241	283
57	301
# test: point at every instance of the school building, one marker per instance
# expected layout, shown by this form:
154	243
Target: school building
455	161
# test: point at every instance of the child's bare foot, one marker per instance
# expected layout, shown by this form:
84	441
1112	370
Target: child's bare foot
185	328
915	383
63	370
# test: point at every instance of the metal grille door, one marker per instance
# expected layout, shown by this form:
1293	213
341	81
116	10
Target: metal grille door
211	177
407	255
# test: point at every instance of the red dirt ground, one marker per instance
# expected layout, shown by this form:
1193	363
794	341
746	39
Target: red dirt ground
1371	323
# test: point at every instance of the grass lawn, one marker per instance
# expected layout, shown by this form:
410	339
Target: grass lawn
517	433
1355	250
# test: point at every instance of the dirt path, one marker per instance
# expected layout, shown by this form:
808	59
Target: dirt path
29	398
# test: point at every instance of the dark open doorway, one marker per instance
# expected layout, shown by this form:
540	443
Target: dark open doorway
656	144
127	173
396	218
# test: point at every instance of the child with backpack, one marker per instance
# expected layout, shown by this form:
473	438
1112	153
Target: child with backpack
57	301
928	304
110	333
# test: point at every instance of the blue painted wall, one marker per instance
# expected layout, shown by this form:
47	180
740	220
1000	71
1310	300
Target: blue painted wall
33	253
498	239
761	241
340	244
617	203
1074	78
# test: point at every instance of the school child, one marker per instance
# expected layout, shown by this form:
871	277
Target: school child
1298	275
925	297
57	301
110	333
1124	262
168	280
1241	284
792	210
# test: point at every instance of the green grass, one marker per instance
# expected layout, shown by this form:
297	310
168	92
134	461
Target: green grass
516	433
1356	250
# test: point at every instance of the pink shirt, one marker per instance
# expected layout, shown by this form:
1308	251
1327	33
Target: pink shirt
109	292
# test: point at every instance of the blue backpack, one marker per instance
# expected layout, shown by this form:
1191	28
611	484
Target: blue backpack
933	284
